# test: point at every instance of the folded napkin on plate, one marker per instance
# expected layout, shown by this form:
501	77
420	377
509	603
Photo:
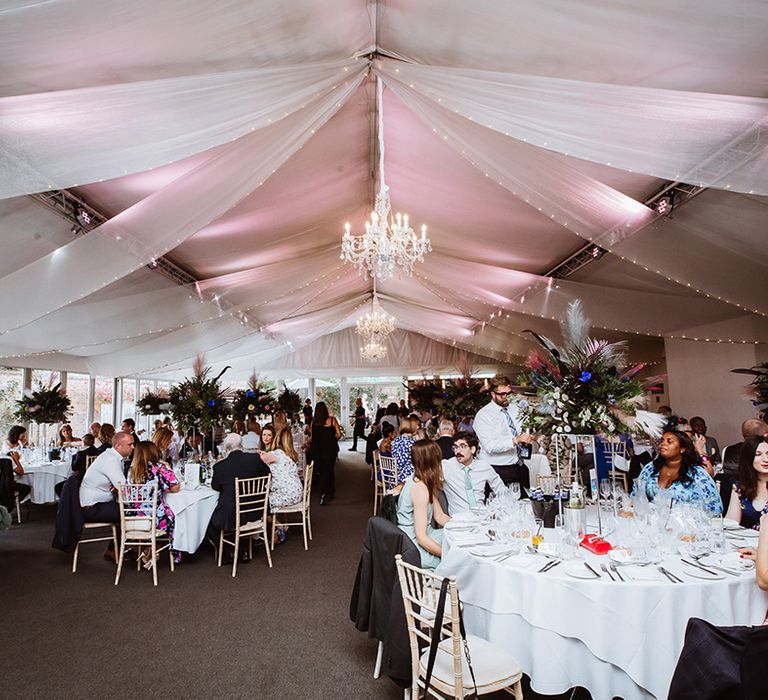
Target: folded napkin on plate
462	538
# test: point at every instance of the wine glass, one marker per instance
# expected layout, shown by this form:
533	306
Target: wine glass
514	487
605	488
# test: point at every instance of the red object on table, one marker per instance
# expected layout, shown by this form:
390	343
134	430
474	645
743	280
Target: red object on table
596	544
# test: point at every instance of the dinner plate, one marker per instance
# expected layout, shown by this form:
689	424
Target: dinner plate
700	573
491	550
578	570
622	556
731	561
465	518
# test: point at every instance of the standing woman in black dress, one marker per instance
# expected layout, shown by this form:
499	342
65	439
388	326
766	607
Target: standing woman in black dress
324	449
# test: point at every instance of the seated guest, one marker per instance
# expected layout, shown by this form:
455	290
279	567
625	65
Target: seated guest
465	477
387	435
267	437
106	435
94	430
401	447
66	439
101	479
751	489
163	440
238	427
749	428
445	438
418	503
146	466
252	439
710	448
129	426
237	464
676	470
759	555
80	460
372	443
285	488
193	446
12	447
391	416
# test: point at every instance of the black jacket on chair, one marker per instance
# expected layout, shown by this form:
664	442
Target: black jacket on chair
377	605
79	460
238	465
7	482
69	518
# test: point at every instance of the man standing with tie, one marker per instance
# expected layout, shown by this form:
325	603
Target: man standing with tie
498	428
465	478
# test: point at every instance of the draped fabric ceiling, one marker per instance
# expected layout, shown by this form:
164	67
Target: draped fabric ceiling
237	137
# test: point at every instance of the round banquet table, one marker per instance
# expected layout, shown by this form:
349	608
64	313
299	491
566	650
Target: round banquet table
615	639
42	478
193	507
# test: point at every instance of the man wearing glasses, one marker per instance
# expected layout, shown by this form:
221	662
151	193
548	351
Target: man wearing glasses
465	477
500	434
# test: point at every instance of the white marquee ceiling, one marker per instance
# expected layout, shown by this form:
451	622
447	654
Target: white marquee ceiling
236	138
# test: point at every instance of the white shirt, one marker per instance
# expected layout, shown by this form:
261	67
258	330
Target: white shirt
496	439
251	441
455	487
7	449
105	472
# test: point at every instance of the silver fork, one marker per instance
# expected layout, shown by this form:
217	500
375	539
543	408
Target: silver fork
605	569
616	571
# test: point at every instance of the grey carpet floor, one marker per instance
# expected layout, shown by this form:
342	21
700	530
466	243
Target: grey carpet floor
279	633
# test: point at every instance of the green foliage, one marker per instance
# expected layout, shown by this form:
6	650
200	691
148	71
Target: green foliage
582	388
254	401
154	404
289	401
459	397
758	388
43	405
199	402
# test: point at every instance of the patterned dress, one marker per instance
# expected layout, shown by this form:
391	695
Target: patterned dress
401	451
166	479
750	516
702	490
285	488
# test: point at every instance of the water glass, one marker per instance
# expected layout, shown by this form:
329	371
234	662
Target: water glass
514	488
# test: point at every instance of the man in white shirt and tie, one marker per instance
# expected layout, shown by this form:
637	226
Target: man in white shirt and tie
498	428
465	477
97	498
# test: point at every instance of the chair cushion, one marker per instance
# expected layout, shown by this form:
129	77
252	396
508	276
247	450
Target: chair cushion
90	526
493	666
292	508
251	526
143	534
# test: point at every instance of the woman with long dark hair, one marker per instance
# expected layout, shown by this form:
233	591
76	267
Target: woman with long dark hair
676	470
324	449
418	503
751	489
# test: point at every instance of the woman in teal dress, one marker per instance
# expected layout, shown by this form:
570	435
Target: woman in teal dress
418	503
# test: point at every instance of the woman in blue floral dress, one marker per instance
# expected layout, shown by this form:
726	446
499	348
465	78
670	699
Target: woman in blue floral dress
401	448
676	471
147	466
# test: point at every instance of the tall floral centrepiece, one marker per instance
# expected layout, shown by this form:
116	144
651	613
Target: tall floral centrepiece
199	402
253	401
583	386
44	405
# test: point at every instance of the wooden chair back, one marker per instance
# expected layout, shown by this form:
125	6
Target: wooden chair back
251	496
388	471
138	507
89	460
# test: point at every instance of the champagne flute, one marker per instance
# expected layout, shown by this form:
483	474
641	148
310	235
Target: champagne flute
515	488
605	489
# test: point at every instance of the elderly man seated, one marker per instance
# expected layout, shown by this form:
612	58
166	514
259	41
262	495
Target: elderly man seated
445	438
465	477
236	464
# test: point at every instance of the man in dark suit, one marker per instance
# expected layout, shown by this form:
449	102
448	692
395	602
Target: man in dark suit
237	464
445	438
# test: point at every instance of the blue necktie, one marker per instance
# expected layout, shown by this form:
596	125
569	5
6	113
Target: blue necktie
469	488
510	422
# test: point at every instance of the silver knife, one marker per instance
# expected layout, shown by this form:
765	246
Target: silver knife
719	568
699	566
670	575
596	573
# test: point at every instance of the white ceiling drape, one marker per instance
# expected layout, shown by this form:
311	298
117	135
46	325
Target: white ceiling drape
238	138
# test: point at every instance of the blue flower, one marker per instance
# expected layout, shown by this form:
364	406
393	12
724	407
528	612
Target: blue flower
585	376
523	403
250	393
211	402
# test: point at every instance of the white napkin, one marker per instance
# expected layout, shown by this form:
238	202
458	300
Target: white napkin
462	538
642	573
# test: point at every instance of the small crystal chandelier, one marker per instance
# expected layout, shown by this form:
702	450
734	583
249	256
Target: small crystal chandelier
373	351
388	242
376	323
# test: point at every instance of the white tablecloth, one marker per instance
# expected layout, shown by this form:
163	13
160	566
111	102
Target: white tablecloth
615	639
42	478
193	508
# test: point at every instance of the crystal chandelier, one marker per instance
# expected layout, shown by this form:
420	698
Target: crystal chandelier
388	242
376	323
373	351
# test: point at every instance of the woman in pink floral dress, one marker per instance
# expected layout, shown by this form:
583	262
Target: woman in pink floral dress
147	466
